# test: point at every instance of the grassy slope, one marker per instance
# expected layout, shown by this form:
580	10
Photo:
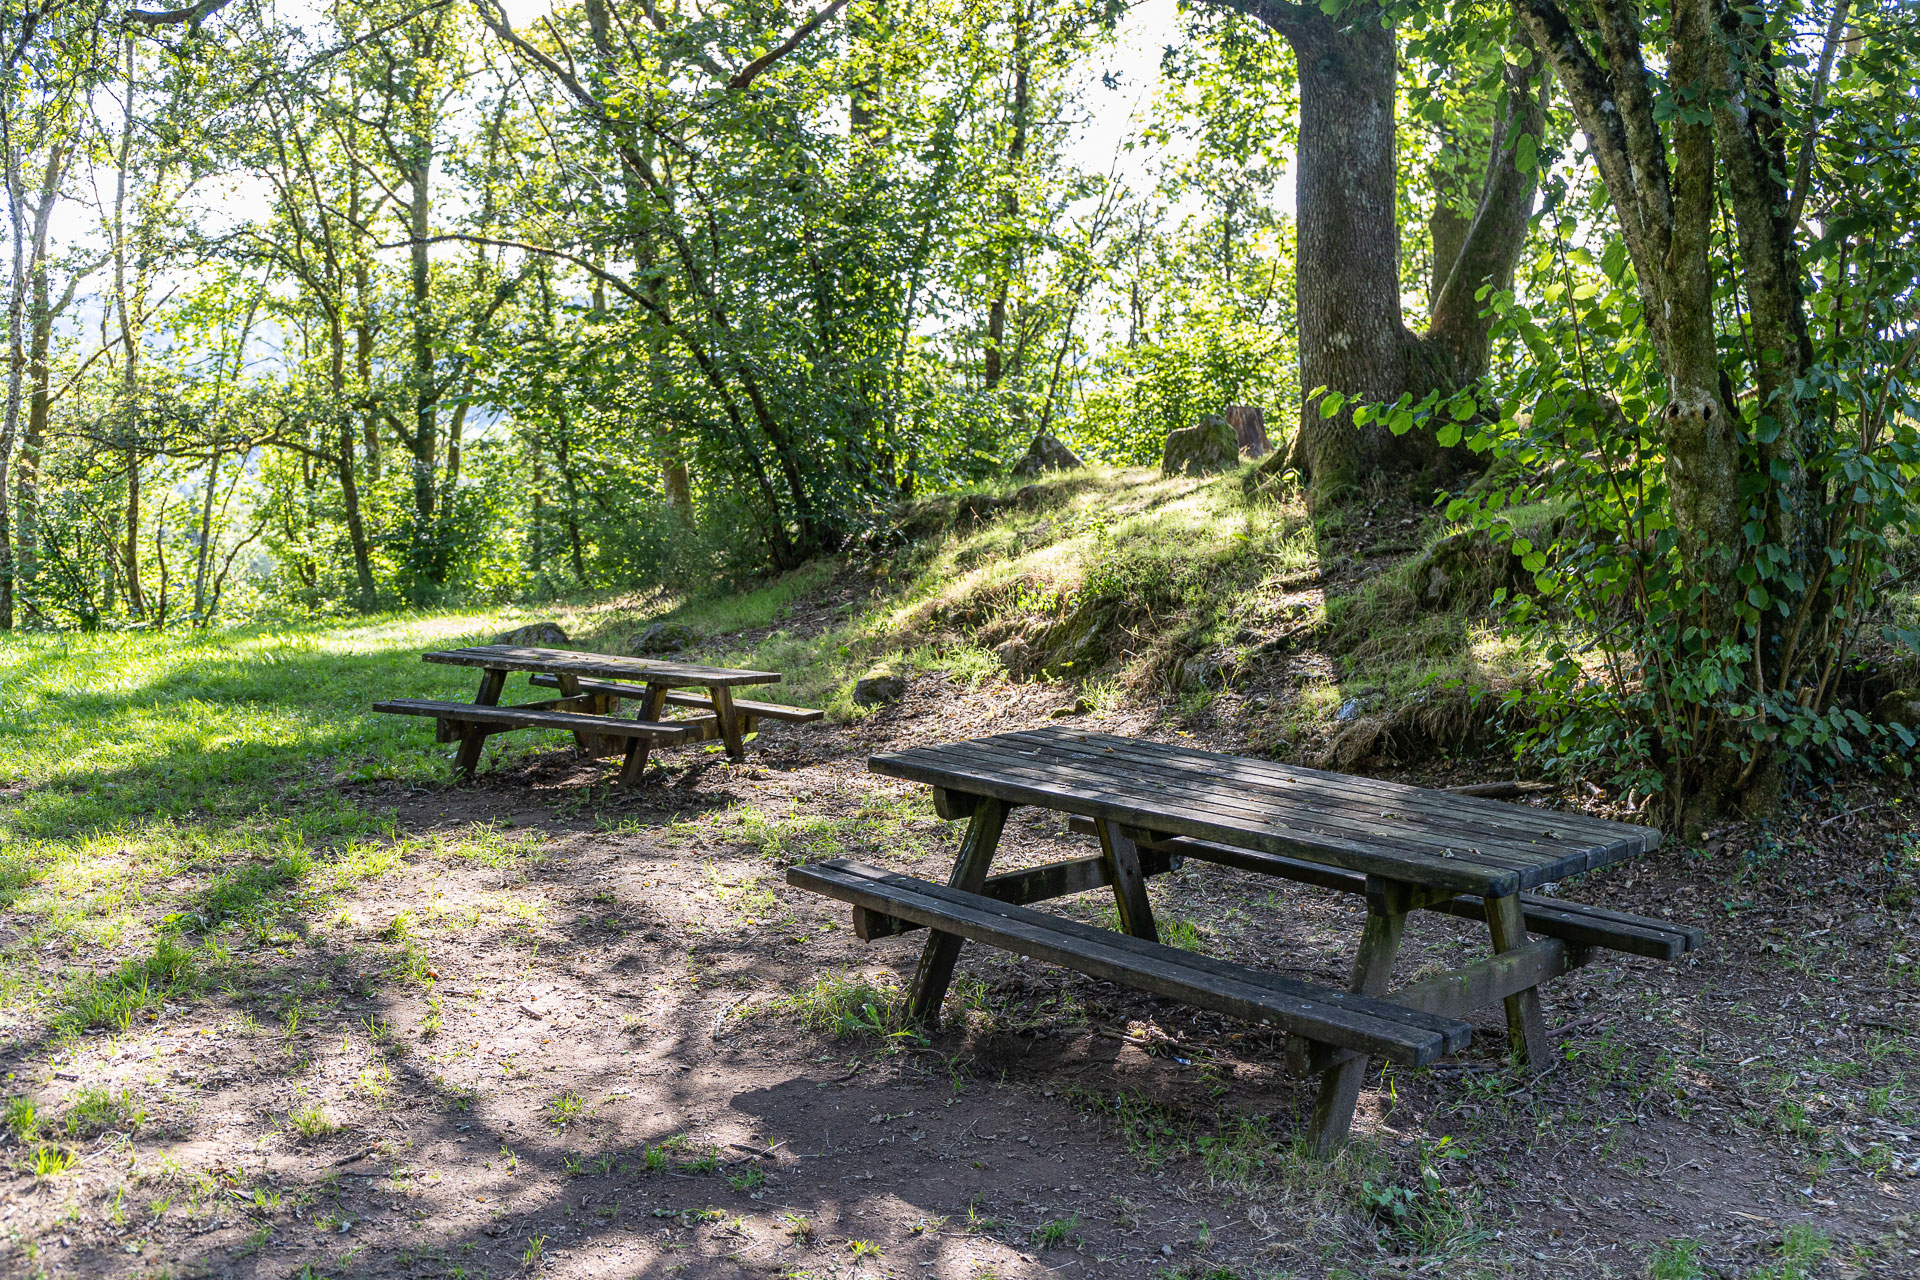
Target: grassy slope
161	781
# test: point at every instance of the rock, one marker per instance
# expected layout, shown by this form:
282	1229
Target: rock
1201	450
1078	707
1350	710
1902	706
535	635
1012	653
1047	453
663	637
1076	643
1203	671
879	686
1468	564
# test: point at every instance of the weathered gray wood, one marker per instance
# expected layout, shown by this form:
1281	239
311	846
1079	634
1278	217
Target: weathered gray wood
1122	858
1514	845
607	666
1035	884
730	731
472	739
1372	970
653	702
1240	799
937	958
634	767
1468	815
524	718
677	698
1374	1026
1526	1024
1142	805
1569	921
1459	992
952	806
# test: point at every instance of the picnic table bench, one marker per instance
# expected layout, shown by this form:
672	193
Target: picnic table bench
1151	805
591	686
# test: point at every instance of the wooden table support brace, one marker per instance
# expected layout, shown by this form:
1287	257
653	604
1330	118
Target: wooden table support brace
1021	888
1122	859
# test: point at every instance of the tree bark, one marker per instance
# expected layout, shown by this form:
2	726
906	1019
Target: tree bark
1352	337
995	368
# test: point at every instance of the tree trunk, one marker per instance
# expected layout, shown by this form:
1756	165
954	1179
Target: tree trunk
996	366
428	567
1352	338
39	407
343	458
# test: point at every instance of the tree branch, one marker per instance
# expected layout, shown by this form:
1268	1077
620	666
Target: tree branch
744	77
1803	171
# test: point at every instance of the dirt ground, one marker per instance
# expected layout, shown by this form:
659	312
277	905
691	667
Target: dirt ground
626	1048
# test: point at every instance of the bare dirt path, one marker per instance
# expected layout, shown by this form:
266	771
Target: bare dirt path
624	1047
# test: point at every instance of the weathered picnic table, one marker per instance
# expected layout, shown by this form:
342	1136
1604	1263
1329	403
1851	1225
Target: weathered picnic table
591	687
1151	805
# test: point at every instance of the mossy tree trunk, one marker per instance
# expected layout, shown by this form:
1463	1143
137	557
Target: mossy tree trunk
1663	176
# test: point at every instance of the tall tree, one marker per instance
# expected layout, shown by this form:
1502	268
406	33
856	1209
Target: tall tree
1353	336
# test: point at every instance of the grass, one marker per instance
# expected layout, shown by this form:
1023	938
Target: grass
850	1005
312	1122
97	1110
179	798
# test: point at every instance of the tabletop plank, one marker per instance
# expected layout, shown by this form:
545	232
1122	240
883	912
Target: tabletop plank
1289	811
1384	828
1506	833
513	657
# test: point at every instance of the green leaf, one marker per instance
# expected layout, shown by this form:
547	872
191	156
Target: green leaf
1526	153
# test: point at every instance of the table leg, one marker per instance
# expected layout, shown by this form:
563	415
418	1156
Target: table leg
475	736
729	721
1122	857
1372	968
634	767
970	874
1526	1024
569	686
654	705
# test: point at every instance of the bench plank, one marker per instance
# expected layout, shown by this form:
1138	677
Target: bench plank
534	718
750	709
1568	921
1348	1021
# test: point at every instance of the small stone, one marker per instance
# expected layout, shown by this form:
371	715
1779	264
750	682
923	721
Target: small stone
663	637
1047	453
535	635
1201	450
878	687
1350	710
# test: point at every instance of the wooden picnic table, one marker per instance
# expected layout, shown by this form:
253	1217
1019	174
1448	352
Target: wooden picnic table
1150	805
591	686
